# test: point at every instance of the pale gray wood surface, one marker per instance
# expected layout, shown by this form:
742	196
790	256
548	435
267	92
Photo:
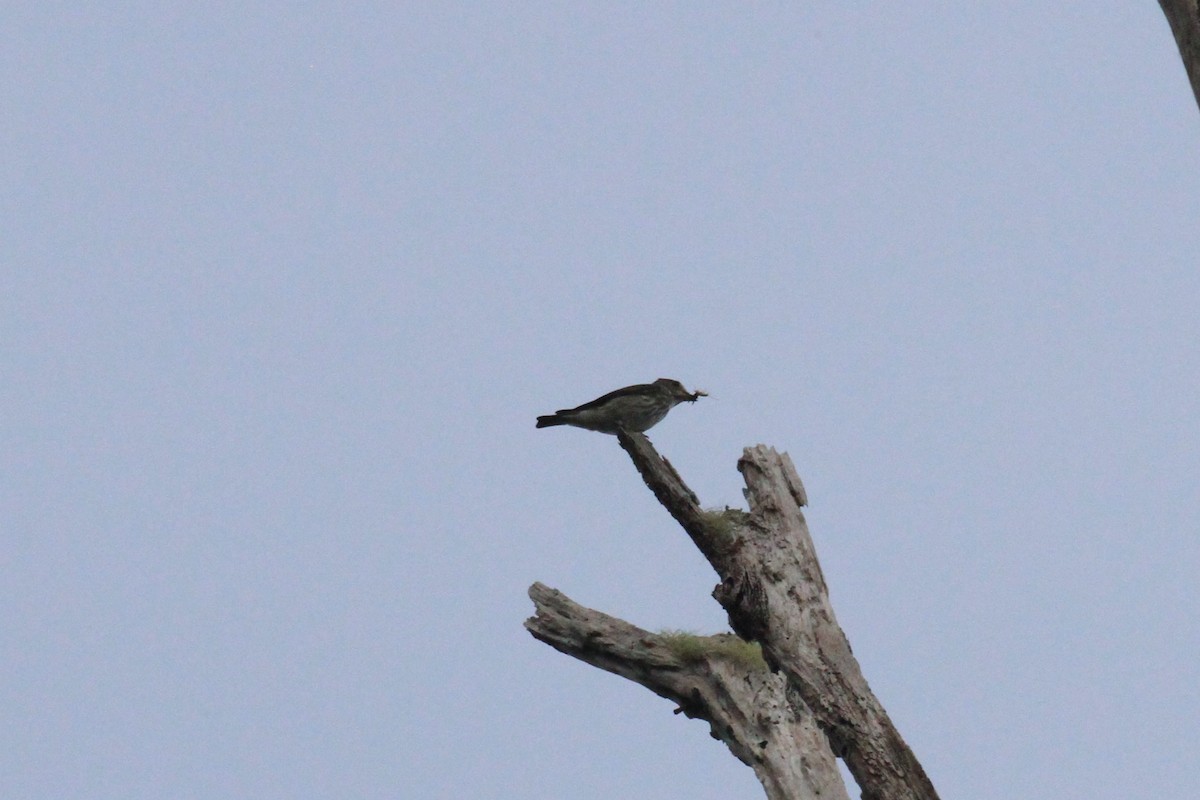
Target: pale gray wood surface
772	588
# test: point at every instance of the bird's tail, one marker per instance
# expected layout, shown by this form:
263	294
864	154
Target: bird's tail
550	421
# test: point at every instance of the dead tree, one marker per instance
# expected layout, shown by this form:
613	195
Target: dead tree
787	710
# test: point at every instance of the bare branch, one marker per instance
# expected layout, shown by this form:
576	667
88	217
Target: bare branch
774	592
746	706
1184	19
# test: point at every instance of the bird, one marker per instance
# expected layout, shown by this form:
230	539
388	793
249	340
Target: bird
636	408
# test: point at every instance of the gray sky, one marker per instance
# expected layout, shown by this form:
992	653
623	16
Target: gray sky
283	292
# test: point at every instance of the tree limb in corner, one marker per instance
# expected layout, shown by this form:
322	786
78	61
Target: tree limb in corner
1184	18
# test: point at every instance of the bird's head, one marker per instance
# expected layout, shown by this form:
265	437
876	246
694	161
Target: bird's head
675	389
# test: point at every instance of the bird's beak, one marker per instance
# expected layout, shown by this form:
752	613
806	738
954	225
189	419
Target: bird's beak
692	397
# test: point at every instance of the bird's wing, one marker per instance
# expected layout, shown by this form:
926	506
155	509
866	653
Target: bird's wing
599	401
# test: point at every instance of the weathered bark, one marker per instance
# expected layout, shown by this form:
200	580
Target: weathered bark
745	705
1184	19
774	592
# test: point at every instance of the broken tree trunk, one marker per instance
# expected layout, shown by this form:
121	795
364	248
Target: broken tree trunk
774	593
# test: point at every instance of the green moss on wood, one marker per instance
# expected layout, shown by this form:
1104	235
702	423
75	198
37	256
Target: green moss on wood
693	648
